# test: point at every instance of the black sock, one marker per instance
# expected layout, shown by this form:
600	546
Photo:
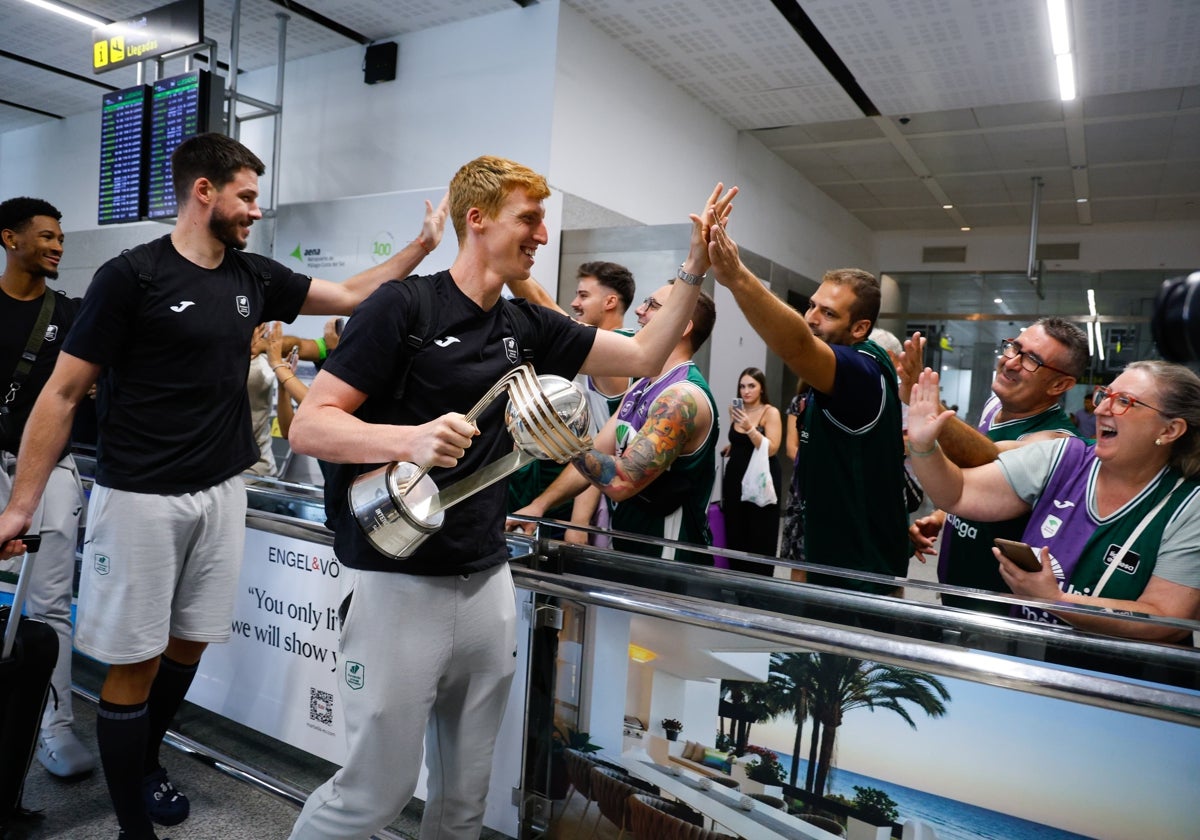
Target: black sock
166	695
121	733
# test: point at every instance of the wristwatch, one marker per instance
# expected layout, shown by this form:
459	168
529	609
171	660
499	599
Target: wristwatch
690	279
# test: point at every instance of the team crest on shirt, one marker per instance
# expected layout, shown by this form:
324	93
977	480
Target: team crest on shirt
51	332
1050	526
102	564
243	305
356	674
510	350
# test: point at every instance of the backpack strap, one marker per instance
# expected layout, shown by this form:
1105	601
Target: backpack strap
256	264
522	327
142	262
420	323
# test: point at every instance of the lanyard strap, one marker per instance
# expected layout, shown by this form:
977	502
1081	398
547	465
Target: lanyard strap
1137	532
36	337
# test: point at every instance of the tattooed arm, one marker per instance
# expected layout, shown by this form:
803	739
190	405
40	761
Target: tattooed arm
676	425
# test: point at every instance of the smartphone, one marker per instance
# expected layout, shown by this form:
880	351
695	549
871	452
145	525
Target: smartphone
294	357
32	541
338	326
1020	553
737	402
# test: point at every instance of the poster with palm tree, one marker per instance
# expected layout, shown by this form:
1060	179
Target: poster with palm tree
823	688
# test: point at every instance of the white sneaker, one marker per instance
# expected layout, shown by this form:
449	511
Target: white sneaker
61	753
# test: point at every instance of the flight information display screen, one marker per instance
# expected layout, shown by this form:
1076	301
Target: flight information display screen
123	155
180	108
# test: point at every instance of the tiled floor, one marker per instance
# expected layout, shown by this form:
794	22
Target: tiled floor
223	808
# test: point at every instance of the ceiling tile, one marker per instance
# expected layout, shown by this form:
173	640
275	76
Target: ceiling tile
1123	210
1056	185
851	196
1177	208
1131	103
1041	148
980	216
1121	142
1136	179
1049	111
953	153
864	129
975	189
904	193
933	122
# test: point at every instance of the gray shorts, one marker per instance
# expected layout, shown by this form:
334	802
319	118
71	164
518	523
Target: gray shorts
159	566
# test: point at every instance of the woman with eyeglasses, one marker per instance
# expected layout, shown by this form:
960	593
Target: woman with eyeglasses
1131	497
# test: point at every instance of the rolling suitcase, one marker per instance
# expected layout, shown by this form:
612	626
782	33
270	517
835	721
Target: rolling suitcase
27	658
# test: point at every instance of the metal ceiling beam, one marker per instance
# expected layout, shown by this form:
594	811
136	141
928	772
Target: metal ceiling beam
11	104
808	32
51	69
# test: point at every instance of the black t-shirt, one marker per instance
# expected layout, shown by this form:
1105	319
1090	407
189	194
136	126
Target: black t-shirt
468	351
18	318
171	402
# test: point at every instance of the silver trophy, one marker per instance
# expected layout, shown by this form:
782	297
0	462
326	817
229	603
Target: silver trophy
399	505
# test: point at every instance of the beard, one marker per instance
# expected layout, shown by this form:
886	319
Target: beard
225	230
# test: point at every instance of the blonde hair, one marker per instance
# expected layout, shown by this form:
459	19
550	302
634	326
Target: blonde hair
485	183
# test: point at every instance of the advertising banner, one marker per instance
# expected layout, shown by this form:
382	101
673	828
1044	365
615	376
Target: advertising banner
278	674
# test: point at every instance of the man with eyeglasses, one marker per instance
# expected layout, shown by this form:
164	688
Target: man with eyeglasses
1033	372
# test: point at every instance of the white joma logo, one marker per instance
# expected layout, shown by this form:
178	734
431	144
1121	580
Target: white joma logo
182	305
1061	505
445	342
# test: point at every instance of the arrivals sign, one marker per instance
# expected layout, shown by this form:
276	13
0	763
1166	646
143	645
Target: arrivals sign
150	34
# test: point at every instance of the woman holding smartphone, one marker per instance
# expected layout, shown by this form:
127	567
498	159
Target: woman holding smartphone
754	420
1115	524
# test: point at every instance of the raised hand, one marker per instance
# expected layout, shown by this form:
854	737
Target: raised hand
911	364
434	224
925	416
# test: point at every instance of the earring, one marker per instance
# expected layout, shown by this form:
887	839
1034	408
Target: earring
1158	441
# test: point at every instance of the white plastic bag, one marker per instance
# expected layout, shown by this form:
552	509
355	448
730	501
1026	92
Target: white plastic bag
757	486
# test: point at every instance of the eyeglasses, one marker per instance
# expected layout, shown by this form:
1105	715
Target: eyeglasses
1010	348
650	304
1121	403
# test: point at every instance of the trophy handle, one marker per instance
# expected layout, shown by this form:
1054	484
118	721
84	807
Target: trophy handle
523	371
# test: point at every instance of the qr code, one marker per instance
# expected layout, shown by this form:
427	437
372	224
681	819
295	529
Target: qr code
320	706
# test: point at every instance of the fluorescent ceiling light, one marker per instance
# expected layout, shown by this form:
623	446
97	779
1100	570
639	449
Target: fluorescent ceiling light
997	300
1099	340
947	206
965	227
1081	201
1066	77
1091	295
67	12
1060	26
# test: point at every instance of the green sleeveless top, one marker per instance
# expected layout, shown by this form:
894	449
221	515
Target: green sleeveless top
675	505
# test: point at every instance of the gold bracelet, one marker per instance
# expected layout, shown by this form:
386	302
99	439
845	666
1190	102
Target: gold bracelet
289	379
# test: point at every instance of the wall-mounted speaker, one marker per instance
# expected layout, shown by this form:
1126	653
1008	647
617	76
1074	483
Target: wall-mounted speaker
380	62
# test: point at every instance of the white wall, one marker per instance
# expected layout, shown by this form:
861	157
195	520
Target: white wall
606	648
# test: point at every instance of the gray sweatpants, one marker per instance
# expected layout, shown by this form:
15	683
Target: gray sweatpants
422	659
49	594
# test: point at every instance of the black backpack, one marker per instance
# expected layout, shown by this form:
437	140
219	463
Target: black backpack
421	333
